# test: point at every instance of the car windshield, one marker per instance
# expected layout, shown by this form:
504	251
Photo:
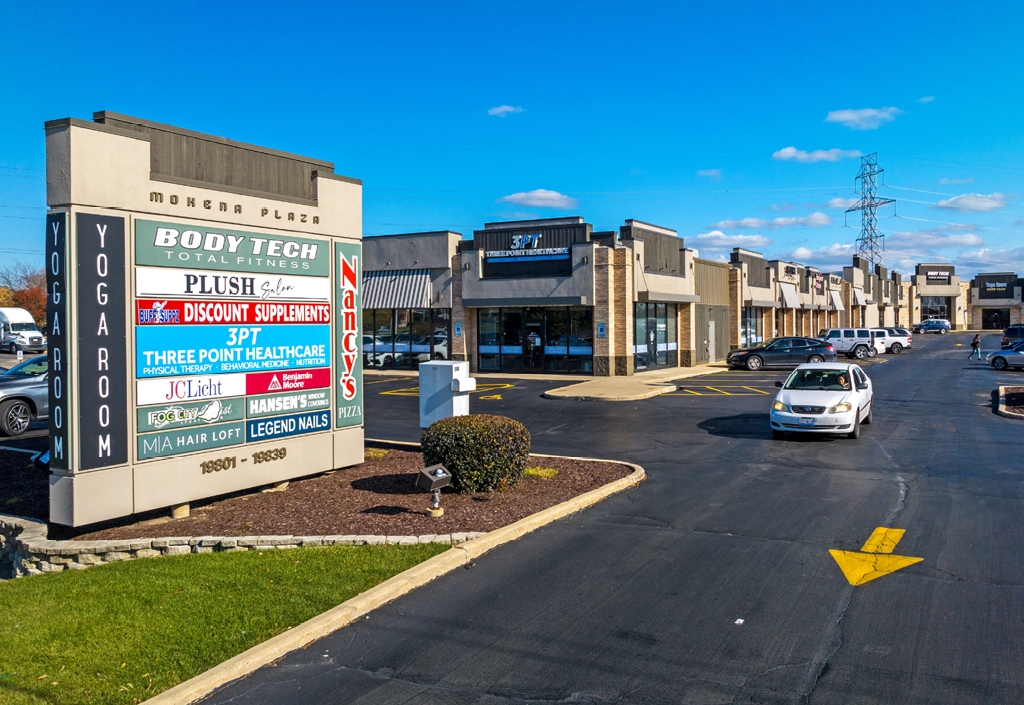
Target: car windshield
820	380
29	368
23	326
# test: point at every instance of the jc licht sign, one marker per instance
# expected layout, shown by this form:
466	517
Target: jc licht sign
187	341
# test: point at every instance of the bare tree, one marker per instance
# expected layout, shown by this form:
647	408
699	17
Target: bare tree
22	275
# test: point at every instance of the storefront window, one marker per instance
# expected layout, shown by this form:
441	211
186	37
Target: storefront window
511	338
673	354
419	342
441	323
640	359
751	327
556	348
489	348
581	339
662	323
368	329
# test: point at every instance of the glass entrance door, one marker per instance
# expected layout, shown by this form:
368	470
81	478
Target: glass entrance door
533	339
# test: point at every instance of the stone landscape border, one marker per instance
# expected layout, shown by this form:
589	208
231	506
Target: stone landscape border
26	550
1001	408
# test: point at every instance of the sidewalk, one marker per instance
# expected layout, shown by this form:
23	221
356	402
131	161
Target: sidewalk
643	385
588	388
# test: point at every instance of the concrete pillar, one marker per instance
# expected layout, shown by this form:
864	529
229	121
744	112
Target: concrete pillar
180	511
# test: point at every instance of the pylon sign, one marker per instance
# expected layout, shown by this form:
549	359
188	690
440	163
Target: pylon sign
191	327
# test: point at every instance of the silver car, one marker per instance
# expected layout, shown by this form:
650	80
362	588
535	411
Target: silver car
23	396
1002	359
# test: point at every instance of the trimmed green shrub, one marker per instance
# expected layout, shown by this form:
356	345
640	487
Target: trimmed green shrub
482	452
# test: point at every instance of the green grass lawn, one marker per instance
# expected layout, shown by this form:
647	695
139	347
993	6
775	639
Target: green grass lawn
124	632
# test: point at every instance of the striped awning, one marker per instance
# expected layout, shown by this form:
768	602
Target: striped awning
837	303
401	288
789	297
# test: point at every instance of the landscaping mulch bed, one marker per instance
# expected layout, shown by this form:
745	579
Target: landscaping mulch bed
378	497
1015	400
24	488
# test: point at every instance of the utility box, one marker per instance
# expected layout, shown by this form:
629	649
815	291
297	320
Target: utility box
444	390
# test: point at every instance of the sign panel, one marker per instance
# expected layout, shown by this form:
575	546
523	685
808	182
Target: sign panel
102	335
158	445
348	363
196	413
271	405
160	282
281	426
287	381
163	244
179	350
178	389
57	359
168	312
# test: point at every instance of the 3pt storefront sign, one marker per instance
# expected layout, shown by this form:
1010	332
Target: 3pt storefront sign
192	358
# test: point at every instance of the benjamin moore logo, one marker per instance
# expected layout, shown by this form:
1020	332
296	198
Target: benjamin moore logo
181	416
275	384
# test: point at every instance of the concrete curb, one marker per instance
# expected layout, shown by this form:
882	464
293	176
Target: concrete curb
664	387
391	589
1001	409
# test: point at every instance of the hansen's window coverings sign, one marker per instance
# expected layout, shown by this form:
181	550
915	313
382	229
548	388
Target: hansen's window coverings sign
233	325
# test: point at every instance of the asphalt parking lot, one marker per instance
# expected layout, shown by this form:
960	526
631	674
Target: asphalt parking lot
713	581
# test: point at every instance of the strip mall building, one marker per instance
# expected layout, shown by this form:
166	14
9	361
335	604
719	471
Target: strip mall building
556	296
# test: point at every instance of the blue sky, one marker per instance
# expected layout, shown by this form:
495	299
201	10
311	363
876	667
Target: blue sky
738	124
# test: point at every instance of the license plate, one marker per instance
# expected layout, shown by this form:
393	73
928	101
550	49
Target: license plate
806	422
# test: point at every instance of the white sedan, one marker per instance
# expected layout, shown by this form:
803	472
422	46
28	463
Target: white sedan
823	397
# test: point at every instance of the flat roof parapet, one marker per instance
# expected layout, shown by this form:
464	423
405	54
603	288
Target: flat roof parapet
542	222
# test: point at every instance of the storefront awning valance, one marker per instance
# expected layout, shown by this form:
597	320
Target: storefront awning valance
837	302
667	298
402	288
764	304
858	298
789	297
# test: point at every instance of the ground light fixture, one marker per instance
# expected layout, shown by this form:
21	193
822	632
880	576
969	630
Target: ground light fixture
432	479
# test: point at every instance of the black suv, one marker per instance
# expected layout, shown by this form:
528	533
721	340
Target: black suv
1012	335
783	352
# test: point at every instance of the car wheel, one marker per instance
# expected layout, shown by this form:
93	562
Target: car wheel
867	419
942	331
388	361
754	363
860	352
896	349
12	349
999	363
872	352
855	433
815	358
776	434
15	416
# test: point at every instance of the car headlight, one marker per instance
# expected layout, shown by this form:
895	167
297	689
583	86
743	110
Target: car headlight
840	408
779	406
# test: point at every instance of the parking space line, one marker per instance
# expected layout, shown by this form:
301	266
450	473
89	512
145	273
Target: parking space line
757	390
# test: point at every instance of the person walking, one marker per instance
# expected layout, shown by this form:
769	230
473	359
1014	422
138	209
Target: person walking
975	347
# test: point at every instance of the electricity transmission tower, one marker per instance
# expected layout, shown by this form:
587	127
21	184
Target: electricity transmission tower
869	242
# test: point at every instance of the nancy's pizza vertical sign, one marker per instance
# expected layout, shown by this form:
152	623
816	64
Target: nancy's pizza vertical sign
348	358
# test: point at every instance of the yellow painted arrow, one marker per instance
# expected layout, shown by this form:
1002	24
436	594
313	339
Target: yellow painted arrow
876	558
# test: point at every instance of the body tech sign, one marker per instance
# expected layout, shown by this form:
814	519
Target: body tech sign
175	245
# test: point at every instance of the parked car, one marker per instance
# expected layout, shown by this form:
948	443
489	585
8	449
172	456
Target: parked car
891	343
934	325
1013	346
1010	357
853	342
823	398
383	357
23	396
900	336
782	352
1012	335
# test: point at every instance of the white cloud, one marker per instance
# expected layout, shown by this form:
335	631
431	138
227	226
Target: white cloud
716	239
864	119
713	173
946	182
843	203
985	259
540	198
792	154
503	110
814	220
973	202
516	216
783	206
829	256
931	239
926	99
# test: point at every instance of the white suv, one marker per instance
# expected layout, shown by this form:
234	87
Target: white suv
898	340
853	342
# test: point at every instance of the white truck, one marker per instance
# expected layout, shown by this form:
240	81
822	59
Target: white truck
18	331
853	342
